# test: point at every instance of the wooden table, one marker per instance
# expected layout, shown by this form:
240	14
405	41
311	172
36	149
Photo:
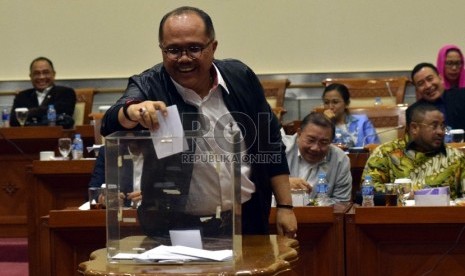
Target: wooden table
261	255
405	241
19	146
71	235
321	239
53	185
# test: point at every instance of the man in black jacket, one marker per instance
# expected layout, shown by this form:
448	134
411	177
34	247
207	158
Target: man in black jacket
44	93
225	94
429	85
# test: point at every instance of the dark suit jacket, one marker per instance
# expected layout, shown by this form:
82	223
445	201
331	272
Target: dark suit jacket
455	107
247	104
64	99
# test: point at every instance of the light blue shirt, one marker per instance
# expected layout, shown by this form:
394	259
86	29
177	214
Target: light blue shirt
358	131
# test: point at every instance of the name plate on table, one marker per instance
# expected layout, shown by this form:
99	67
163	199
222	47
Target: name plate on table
433	197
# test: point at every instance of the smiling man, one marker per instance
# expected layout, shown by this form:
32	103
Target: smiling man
213	95
430	88
310	152
44	93
421	155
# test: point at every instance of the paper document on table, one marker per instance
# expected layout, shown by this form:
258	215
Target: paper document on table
216	255
161	253
183	254
190	238
169	139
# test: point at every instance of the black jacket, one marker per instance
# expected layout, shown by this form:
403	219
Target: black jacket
63	98
248	106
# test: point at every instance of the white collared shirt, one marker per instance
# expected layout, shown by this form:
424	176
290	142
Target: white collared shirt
212	180
41	95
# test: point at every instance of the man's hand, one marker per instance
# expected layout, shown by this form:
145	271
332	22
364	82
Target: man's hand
286	222
144	113
299	184
135	197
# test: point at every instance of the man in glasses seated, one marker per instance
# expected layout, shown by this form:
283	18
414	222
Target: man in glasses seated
310	152
420	156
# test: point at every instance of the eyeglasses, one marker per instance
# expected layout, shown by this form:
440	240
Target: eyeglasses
434	126
451	63
193	52
320	143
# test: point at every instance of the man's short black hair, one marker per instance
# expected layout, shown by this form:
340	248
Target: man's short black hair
319	119
418	109
44	59
209	29
420	66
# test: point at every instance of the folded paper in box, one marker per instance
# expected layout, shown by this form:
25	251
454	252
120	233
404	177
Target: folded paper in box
433	197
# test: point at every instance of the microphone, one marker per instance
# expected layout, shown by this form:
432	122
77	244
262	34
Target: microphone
362	148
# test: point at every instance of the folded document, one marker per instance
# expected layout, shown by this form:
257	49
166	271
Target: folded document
177	254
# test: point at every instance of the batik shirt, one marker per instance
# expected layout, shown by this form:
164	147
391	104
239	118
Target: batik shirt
398	159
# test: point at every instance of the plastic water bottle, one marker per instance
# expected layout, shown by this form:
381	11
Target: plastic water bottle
378	101
5	117
368	192
52	115
78	147
321	198
339	140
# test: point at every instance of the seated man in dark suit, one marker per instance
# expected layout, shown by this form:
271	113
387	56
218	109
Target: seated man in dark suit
429	85
43	93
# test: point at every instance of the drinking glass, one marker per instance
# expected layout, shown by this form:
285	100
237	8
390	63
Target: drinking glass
390	192
457	135
64	146
405	192
21	115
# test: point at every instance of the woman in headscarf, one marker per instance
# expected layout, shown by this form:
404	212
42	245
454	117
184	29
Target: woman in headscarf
450	66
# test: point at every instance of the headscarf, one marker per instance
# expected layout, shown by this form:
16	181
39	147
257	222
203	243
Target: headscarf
442	66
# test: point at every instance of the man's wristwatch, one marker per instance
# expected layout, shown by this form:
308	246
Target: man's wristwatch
284	206
125	108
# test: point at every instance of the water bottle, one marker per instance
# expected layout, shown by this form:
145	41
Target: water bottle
321	198
78	147
5	117
378	101
368	192
339	140
448	135
51	115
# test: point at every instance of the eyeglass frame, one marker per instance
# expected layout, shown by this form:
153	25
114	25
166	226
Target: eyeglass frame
450	63
187	50
434	126
320	143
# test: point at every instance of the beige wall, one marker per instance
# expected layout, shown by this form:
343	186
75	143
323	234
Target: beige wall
118	38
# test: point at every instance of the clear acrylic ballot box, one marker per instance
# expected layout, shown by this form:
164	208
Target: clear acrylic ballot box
172	199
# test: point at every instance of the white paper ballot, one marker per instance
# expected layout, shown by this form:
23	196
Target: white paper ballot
216	255
161	253
169	139
189	238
